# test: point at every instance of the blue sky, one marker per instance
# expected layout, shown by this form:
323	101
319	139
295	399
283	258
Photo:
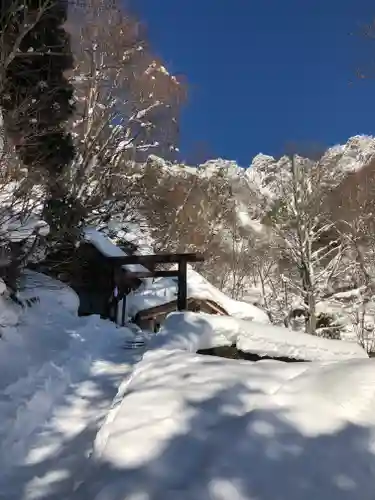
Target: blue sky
266	73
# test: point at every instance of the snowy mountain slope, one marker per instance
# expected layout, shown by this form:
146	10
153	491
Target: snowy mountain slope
260	183
230	212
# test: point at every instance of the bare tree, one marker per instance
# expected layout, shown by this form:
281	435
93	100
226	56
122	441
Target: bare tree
128	104
307	239
184	207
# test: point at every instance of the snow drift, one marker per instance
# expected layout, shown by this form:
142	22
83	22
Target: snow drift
193	427
192	332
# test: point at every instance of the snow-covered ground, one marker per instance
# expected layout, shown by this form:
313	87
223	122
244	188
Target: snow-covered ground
192	427
58	376
181	425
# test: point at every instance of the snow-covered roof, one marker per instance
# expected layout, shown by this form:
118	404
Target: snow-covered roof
192	332
192	427
156	292
164	290
102	243
107	248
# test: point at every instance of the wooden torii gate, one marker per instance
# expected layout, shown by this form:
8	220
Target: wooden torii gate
150	262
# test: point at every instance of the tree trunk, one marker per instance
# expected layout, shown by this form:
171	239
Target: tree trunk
311	321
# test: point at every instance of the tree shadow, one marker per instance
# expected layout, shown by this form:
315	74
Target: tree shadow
60	447
223	451
217	450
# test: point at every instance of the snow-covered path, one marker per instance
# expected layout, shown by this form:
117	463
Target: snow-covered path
51	441
59	375
56	458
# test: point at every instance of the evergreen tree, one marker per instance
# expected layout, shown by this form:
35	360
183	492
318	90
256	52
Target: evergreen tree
35	95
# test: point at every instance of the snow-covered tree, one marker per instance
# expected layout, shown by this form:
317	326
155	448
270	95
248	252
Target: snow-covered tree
307	239
127	103
127	106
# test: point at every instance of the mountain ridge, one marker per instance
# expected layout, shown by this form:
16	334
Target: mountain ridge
357	152
261	184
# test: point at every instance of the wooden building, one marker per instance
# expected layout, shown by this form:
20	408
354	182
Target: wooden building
152	318
103	274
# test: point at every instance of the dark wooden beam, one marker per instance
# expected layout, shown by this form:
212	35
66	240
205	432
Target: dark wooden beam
123	310
149	262
153	274
182	286
109	300
157	258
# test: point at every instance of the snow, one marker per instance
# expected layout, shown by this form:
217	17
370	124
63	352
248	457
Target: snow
18	230
54	300
20	216
102	243
246	221
278	341
181	425
356	153
3	286
162	291
48	290
137	233
59	374
193	427
107	248
192	332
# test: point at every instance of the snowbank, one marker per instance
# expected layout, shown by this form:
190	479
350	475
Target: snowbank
54	298
163	290
37	334
263	339
193	427
191	332
52	293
